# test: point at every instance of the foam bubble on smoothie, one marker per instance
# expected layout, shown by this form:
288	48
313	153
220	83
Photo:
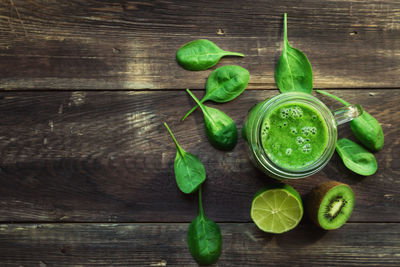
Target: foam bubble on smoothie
299	140
288	151
305	130
296	112
293	130
285	112
306	148
313	130
265	128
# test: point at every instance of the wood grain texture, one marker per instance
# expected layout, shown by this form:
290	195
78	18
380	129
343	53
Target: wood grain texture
374	244
106	157
86	166
132	45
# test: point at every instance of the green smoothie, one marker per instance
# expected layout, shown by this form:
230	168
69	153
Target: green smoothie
294	135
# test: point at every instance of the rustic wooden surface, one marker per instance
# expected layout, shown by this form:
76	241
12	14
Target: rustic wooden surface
132	45
152	244
110	151
86	167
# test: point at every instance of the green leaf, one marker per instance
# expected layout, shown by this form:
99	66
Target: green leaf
204	238
356	158
365	127
293	72
368	130
220	129
189	171
224	84
201	54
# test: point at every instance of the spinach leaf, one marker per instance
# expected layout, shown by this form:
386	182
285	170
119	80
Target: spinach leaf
293	71
365	127
201	54
204	238
356	158
189	171
221	130
224	84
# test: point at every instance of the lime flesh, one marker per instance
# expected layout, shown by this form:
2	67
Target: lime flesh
277	210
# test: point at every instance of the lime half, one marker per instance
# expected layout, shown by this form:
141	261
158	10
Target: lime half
277	208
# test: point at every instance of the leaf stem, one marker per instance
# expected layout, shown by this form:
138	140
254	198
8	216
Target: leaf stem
334	97
194	98
178	147
201	210
199	104
285	39
228	53
193	109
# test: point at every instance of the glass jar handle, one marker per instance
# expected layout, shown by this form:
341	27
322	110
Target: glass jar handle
346	114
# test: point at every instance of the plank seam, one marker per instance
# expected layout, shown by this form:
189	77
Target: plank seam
172	222
175	90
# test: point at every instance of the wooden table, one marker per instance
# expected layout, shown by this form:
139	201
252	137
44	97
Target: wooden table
86	174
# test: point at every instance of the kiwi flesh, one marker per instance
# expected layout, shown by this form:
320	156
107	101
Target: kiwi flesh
330	204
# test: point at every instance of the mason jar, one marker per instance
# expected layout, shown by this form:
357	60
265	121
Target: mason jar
260	155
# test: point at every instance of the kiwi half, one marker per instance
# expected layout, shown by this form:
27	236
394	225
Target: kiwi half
330	204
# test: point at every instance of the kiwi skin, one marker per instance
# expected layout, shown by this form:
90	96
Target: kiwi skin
315	198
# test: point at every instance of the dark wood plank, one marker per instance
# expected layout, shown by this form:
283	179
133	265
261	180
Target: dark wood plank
105	156
355	244
132	45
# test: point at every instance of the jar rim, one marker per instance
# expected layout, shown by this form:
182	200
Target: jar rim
260	153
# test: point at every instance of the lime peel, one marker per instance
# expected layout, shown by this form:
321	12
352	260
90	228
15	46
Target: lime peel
277	208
